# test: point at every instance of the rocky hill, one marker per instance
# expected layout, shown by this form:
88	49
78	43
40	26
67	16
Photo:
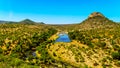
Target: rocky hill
97	20
95	14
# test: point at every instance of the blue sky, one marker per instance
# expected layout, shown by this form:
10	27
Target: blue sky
57	11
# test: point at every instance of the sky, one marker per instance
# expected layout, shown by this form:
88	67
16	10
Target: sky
57	11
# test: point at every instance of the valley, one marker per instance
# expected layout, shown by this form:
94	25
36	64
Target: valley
93	43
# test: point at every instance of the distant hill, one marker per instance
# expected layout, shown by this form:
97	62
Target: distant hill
97	20
40	22
1	21
27	21
10	22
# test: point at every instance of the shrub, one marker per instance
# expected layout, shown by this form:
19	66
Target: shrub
116	55
118	63
0	50
54	54
16	62
103	44
2	58
116	47
91	45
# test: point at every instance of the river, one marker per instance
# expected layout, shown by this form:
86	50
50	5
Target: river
63	38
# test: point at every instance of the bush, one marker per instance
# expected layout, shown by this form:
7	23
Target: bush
91	45
0	50
15	62
117	63
103	44
2	58
116	55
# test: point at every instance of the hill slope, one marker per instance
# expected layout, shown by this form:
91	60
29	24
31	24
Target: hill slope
97	20
27	21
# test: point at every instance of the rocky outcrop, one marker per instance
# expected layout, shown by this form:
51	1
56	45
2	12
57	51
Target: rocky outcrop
95	14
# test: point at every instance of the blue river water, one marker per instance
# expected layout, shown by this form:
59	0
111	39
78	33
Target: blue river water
63	38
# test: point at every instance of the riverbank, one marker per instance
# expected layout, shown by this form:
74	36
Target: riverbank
79	55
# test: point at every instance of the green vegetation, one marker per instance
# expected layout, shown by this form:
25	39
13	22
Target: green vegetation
18	43
105	39
116	55
26	44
